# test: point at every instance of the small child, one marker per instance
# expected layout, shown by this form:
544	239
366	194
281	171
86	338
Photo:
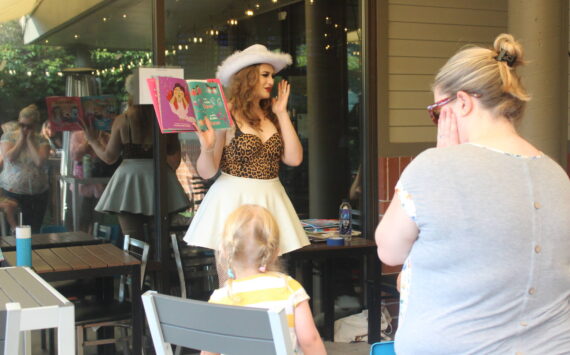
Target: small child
249	249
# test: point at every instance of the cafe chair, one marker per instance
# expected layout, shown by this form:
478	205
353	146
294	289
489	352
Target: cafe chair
116	314
217	328
180	273
103	232
179	267
52	228
382	348
199	190
10	329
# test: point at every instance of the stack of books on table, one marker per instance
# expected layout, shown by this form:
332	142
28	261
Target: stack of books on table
318	229
319	225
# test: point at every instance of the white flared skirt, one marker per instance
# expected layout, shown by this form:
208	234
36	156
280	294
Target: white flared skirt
228	193
131	189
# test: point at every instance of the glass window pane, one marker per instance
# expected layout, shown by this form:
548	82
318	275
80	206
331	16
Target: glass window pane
324	38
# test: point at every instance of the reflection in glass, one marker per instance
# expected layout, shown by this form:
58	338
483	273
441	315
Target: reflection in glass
326	79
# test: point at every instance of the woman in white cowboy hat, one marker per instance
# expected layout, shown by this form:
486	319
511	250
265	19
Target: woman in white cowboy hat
249	154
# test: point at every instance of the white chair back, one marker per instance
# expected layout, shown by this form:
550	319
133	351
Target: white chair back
214	327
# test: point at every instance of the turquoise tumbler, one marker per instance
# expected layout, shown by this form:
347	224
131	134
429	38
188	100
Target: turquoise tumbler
24	246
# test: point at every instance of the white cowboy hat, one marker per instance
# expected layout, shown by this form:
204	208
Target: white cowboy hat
255	54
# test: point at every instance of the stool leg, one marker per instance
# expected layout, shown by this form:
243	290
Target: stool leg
3	229
44	345
80	340
51	341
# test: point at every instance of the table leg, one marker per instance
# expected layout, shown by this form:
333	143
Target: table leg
307	278
373	295
137	310
66	330
328	298
74	202
26	342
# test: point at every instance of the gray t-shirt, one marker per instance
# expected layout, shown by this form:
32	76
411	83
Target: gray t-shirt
490	270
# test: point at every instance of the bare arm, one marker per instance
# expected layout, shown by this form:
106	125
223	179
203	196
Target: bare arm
78	146
395	234
307	333
292	148
211	148
107	153
12	150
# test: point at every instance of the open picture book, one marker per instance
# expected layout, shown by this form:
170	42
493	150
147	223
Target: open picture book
182	105
66	112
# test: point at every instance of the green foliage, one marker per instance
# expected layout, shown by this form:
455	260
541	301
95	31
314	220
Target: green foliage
114	66
29	73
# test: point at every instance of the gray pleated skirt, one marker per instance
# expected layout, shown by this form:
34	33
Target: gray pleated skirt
131	189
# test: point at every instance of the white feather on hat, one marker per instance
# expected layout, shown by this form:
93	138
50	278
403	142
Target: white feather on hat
255	54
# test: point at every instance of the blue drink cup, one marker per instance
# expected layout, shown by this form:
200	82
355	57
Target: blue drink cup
24	246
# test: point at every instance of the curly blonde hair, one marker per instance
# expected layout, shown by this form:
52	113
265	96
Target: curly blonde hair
479	70
241	93
251	238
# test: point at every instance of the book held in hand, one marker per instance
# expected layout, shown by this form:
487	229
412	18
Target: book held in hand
182	105
100	111
175	112
66	112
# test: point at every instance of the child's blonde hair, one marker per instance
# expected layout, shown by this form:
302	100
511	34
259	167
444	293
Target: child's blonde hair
251	238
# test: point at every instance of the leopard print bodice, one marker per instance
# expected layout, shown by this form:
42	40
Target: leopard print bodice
247	156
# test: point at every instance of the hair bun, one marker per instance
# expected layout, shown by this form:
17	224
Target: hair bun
508	50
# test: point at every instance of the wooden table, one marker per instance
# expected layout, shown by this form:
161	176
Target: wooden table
91	261
52	240
361	248
75	181
41	306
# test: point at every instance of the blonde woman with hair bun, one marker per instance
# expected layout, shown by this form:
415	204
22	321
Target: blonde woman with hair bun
481	223
249	250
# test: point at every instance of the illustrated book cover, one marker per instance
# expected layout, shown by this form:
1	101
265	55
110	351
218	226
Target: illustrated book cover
66	112
100	111
180	104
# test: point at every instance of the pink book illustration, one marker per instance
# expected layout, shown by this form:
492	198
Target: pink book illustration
176	111
151	83
64	113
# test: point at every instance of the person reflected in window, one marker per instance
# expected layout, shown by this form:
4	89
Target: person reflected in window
88	193
482	222
130	192
25	175
54	138
249	154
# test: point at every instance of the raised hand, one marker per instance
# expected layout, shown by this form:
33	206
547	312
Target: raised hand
208	137
90	131
447	132
280	102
